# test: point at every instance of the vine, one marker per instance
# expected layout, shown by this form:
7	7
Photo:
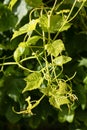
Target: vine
48	52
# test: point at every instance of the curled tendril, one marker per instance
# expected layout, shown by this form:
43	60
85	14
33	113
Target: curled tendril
31	105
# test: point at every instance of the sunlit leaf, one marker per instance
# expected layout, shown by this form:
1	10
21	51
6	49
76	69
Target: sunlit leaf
63	88
49	91
55	48
56	22
60	60
65	27
23	47
33	81
58	101
53	90
44	23
34	3
26	28
19	51
57	95
32	40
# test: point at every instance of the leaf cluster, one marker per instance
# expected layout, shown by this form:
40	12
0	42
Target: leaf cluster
41	50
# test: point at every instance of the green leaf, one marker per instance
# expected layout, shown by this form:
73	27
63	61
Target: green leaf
1	82
56	22
54	90
7	19
55	48
60	60
63	88
34	81
83	62
57	101
32	40
85	80
26	28
15	89
2	47
11	116
65	115
65	27
81	94
19	51
34	122
34	3
44	23
57	96
23	47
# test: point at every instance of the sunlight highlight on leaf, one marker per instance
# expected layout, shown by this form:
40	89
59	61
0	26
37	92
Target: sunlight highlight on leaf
33	81
58	101
32	40
55	48
19	51
26	28
60	60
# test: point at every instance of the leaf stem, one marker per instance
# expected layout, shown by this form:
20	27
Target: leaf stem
65	20
77	11
37	102
54	69
53	7
24	68
27	58
8	63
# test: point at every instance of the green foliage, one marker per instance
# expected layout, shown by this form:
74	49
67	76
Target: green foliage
23	47
61	60
32	40
83	62
66	115
33	80
33	3
55	23
26	28
11	116
58	101
7	19
55	48
19	51
43	64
